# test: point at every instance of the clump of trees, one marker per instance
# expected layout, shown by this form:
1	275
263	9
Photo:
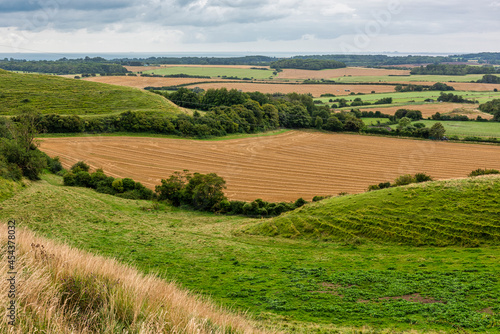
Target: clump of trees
80	176
489	78
205	192
492	107
402	180
438	86
19	153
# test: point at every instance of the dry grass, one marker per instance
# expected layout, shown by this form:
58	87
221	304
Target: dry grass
64	290
142	82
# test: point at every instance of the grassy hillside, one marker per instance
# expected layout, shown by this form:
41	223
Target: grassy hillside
300	285
456	212
53	94
70	291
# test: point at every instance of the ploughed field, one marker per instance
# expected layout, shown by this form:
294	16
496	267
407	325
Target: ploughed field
283	167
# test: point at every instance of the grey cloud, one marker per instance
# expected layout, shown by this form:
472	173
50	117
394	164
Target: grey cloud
247	20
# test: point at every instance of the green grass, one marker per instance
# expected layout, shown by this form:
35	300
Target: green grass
297	283
466	129
215	72
415	97
53	94
157	135
373	120
455	212
411	78
9	188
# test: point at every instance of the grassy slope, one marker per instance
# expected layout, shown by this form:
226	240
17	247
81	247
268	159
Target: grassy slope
53	94
455	212
302	285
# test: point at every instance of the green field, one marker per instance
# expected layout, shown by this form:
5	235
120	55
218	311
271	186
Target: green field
411	78
215	72
416	97
376	279
373	120
466	129
52	94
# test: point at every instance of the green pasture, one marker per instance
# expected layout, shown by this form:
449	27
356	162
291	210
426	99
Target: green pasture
49	94
416	97
303	281
466	129
214	72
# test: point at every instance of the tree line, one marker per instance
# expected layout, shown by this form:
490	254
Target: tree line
307	64
64	66
452	69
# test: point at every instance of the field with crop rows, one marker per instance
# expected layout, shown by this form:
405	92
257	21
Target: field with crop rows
277	168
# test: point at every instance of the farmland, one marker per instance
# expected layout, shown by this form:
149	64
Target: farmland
468	129
300	284
277	168
241	73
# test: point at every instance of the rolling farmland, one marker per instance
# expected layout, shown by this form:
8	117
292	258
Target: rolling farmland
277	168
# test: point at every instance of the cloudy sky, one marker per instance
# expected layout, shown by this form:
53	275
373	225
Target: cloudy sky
250	26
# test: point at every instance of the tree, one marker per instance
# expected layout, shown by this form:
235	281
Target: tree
205	191
318	123
437	131
404	122
334	124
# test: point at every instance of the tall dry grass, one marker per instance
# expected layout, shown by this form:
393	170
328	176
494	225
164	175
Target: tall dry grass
64	290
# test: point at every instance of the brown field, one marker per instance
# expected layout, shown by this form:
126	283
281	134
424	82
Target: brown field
430	109
277	168
315	90
337	73
141	82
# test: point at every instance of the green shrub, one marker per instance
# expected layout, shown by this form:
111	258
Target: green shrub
82	179
80	166
300	202
480	171
404	180
118	185
69	179
422	177
373	187
128	184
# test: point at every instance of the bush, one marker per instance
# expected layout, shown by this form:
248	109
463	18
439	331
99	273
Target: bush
118	185
480	171
300	202
422	177
54	165
404	180
80	166
82	179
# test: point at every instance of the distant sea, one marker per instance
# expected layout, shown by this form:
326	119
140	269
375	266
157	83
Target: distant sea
56	56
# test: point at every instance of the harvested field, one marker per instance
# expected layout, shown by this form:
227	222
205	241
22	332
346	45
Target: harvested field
277	168
141	82
430	109
337	73
315	90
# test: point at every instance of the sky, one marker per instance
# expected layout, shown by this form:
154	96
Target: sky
250	26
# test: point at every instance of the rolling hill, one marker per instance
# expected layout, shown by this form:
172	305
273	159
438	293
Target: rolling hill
49	94
462	212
